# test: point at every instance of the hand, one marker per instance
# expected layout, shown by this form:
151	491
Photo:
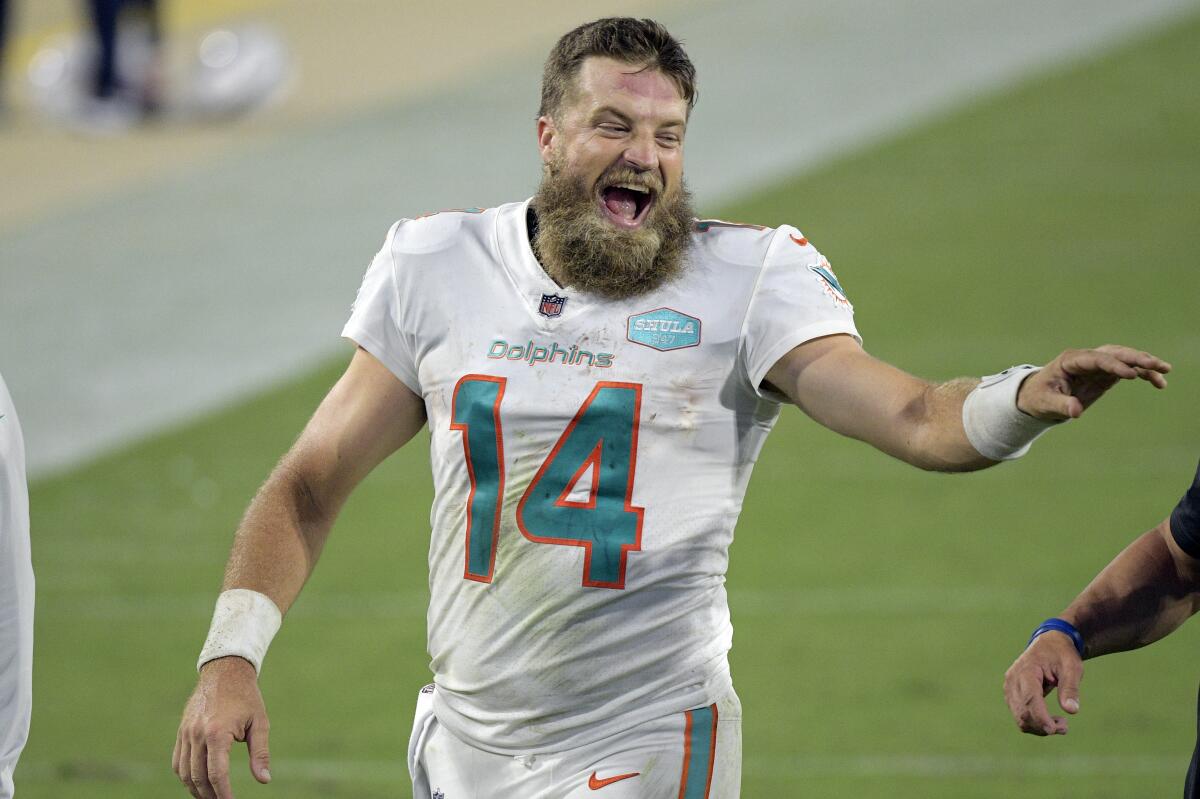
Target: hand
1069	384
225	707
1051	660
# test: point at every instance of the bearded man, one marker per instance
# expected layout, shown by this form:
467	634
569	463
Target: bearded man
598	370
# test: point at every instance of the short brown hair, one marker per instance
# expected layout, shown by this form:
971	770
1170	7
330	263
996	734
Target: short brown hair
634	41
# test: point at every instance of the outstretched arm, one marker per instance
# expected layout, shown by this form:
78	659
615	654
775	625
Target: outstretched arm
1147	591
839	385
365	417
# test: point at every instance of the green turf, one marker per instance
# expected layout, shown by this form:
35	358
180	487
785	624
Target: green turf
876	607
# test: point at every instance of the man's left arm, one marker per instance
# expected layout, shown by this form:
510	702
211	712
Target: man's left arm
838	384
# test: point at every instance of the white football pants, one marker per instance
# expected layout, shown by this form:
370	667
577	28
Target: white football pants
696	754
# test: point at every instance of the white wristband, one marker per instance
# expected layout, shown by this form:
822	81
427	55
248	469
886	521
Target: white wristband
994	425
243	624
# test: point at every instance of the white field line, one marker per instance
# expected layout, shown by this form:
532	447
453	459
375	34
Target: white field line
976	766
832	602
783	767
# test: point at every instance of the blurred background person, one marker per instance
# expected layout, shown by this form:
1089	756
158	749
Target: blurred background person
4	12
16	596
121	66
114	75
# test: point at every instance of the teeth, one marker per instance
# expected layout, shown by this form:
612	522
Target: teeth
632	187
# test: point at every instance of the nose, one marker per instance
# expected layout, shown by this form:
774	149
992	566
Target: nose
642	153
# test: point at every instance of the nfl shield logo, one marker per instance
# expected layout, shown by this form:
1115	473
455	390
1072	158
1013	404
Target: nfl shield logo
552	305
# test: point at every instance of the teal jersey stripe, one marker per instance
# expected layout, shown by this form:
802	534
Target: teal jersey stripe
699	748
475	410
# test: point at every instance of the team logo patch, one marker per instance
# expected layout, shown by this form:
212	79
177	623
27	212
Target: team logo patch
664	329
552	305
830	282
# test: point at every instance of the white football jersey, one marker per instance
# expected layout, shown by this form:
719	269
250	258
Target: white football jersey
16	596
589	461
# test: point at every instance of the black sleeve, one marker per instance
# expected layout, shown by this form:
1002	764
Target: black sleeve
1185	519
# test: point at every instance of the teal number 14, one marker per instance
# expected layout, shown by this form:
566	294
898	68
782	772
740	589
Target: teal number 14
600	440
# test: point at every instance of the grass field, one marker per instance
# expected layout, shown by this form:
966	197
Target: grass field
875	607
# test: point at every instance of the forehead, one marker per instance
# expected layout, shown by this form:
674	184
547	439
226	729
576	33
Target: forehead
607	81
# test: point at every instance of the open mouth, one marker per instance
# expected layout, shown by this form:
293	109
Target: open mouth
626	204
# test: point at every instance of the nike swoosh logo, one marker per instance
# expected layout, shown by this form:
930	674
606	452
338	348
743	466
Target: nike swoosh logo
596	784
801	241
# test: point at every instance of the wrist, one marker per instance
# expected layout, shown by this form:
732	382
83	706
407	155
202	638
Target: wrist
993	420
243	624
1059	625
1021	391
228	664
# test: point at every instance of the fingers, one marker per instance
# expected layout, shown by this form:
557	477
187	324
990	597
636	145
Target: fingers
218	765
1049	662
200	785
260	754
1023	691
226	706
1124	362
201	761
1137	358
184	770
1074	380
1152	377
1062	406
1089	362
1070	674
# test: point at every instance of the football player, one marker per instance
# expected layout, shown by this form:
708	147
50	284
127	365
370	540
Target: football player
598	370
16	596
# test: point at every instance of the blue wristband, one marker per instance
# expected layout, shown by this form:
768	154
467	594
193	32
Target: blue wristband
1060	626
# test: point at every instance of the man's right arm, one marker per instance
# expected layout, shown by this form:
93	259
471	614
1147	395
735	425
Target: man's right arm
366	416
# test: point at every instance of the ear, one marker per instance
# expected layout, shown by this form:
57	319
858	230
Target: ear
547	132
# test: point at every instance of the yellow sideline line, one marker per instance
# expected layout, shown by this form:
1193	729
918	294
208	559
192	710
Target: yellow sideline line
177	15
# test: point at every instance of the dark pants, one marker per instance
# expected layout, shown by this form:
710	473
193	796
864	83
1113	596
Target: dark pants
3	32
105	15
1191	789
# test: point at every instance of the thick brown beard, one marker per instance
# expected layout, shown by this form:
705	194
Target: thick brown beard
581	249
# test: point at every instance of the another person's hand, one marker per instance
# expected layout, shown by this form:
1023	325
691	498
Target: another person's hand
1050	661
225	707
1069	384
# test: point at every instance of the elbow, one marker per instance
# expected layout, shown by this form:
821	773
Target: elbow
936	441
931	462
934	449
309	506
